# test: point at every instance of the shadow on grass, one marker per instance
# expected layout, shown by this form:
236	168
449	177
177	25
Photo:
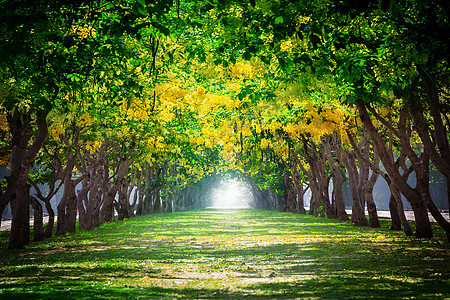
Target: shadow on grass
327	287
85	290
226	255
356	287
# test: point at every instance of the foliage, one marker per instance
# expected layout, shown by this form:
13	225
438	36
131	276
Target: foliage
199	88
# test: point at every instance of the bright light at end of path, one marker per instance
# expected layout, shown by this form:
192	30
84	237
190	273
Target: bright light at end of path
231	194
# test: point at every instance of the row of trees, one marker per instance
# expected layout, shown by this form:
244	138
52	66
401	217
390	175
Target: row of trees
367	83
80	106
144	100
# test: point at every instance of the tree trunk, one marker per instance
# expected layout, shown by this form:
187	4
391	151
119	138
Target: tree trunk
358	215
67	208
318	179
423	183
140	204
21	161
299	192
51	220
38	217
261	197
53	189
289	190
65	173
19	236
395	216
71	212
438	149
372	210
156	208
423	225
84	218
338	178
107	210
448	196
123	204
412	195
368	194
395	194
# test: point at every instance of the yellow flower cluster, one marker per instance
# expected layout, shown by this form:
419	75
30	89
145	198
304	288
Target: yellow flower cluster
159	143
281	149
209	144
56	131
199	141
265	143
93	146
215	100
286	46
83	31
85	120
166	116
274	125
243	69
292	130
301	20
3	123
246	130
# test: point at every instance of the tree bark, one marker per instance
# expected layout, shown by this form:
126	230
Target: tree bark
368	195
21	161
51	220
53	189
414	198
401	211
438	148
289	190
67	207
299	191
358	214
367	187
423	225
107	210
38	217
318	179
423	183
338	178
395	216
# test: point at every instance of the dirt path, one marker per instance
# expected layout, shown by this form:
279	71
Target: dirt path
6	224
408	213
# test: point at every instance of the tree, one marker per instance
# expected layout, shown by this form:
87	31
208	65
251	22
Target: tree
47	48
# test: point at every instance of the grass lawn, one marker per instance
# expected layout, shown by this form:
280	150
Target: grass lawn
228	254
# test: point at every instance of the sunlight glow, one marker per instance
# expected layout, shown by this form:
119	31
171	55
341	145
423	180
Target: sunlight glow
231	194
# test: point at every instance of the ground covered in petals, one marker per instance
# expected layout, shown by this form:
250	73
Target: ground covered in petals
218	253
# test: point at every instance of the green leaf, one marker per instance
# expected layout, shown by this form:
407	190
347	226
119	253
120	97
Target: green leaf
139	8
197	22
135	62
279	20
384	88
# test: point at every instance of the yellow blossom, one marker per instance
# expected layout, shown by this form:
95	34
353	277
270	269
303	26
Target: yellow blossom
264	144
199	140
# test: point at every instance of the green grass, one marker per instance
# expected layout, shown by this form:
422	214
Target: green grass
227	254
